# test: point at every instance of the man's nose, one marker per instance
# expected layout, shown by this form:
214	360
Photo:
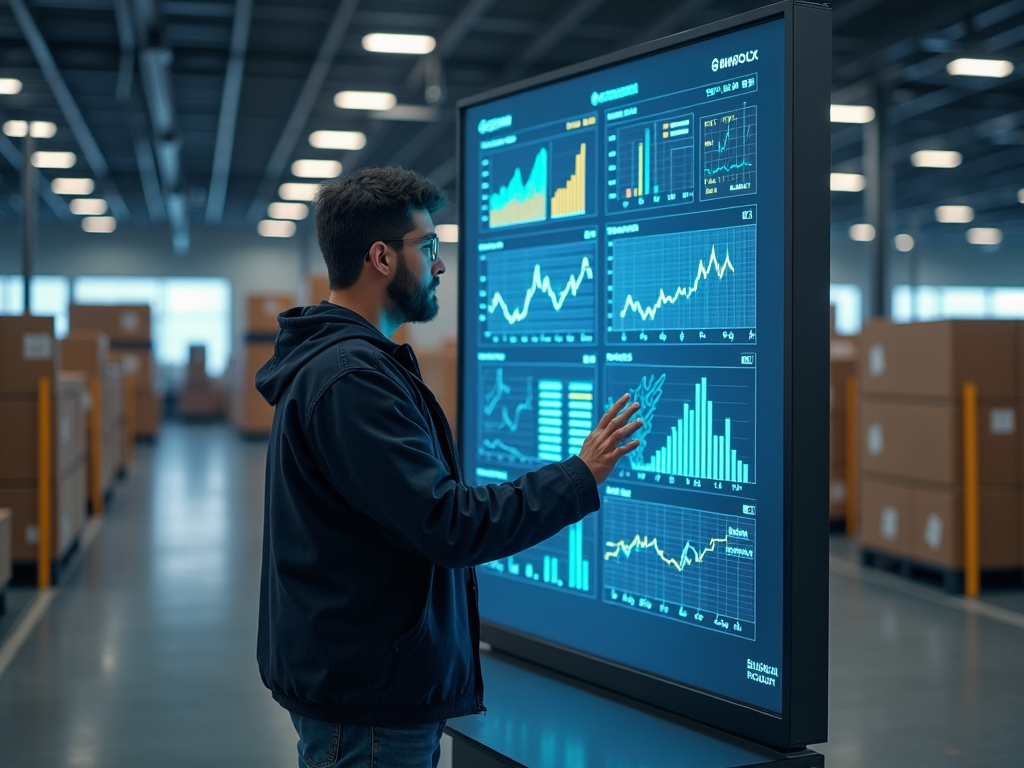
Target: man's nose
438	267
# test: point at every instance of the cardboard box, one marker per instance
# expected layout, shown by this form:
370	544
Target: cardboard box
125	324
5	549
138	362
85	350
253	415
938	535
439	369
28	351
318	288
200	400
936	359
149	411
67	509
197	357
19	451
924	442
264	309
886	517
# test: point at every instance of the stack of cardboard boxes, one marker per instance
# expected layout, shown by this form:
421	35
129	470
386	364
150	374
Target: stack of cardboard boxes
910	433
112	441
200	396
249	411
28	352
6	571
842	368
128	328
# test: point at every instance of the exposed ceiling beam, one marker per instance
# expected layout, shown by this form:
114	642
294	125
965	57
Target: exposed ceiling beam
670	23
225	142
150	181
303	105
847	10
468	18
55	201
554	35
69	108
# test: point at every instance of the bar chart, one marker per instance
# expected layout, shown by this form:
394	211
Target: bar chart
651	163
571	198
562	562
698	424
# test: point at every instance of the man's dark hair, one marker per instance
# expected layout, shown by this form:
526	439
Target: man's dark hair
357	210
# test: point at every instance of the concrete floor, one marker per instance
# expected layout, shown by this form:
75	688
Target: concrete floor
147	654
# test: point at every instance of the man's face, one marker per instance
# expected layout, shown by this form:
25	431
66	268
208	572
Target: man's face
413	288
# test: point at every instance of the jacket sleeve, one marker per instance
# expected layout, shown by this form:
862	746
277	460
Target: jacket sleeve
377	450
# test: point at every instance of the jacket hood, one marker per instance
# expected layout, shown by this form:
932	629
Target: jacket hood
305	333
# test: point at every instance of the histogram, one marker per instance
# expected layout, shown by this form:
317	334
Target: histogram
571	199
563	562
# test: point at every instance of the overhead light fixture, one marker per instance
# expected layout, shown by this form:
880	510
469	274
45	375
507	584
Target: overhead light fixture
984	236
375	100
936	158
447	233
40	129
297	191
99	224
316	169
88	206
296	211
67	186
1020	196
276	228
980	67
847	182
54	159
10	86
904	243
954	214
383	42
851	113
337	139
862	233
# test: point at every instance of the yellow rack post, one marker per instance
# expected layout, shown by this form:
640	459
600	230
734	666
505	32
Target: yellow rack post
45	546
851	456
972	558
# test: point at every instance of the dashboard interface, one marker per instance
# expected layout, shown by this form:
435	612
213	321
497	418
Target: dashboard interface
623	232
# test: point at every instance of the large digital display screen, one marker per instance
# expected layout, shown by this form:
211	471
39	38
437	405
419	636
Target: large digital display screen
622	231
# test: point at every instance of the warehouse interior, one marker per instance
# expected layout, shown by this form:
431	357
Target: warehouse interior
159	158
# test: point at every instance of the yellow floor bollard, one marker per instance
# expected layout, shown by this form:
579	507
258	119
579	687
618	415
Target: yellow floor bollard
972	558
43	501
851	456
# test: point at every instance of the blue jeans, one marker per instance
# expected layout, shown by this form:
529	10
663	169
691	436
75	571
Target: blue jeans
328	745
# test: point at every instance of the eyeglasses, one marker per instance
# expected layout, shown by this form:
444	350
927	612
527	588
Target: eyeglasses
433	241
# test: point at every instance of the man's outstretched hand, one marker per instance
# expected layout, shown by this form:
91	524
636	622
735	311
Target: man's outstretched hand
601	450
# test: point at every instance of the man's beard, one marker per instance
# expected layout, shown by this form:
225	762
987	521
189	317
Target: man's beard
412	302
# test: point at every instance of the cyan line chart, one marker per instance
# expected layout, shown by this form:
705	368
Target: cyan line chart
546	292
685	286
729	153
688	565
698	425
566	561
533	414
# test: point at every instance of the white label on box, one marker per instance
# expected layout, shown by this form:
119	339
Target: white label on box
890	524
270	308
838	491
130	321
842	349
130	363
37	346
876	440
1002	421
876	360
31	534
933	531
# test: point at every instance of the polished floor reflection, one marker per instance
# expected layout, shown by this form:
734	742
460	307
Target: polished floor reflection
147	655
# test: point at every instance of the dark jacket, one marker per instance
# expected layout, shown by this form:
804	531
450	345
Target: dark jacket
368	598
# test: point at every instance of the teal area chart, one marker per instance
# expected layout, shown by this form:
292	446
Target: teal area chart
516	186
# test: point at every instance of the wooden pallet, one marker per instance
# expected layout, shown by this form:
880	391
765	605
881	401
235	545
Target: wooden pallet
951	581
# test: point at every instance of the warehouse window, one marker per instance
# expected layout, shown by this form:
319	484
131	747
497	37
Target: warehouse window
955	302
185	311
848	301
50	296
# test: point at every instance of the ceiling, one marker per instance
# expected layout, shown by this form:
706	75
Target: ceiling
146	93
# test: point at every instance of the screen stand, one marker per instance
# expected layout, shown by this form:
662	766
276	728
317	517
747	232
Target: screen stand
536	719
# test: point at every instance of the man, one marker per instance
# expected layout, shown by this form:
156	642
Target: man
368	629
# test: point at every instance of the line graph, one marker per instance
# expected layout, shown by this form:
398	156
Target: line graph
729	153
546	290
684	281
680	563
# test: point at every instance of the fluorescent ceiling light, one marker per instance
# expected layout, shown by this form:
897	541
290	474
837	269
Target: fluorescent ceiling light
980	67
316	169
851	113
16	128
99	223
847	182
954	214
447	233
66	186
9	86
1020	196
297	211
383	42
40	129
297	191
904	243
936	158
54	159
376	100
88	206
272	228
862	233
337	139
984	236
416	113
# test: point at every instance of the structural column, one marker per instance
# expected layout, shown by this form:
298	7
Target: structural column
28	215
878	202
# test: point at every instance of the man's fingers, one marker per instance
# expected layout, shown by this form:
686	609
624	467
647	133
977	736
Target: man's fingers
625	416
622	450
623	432
610	414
